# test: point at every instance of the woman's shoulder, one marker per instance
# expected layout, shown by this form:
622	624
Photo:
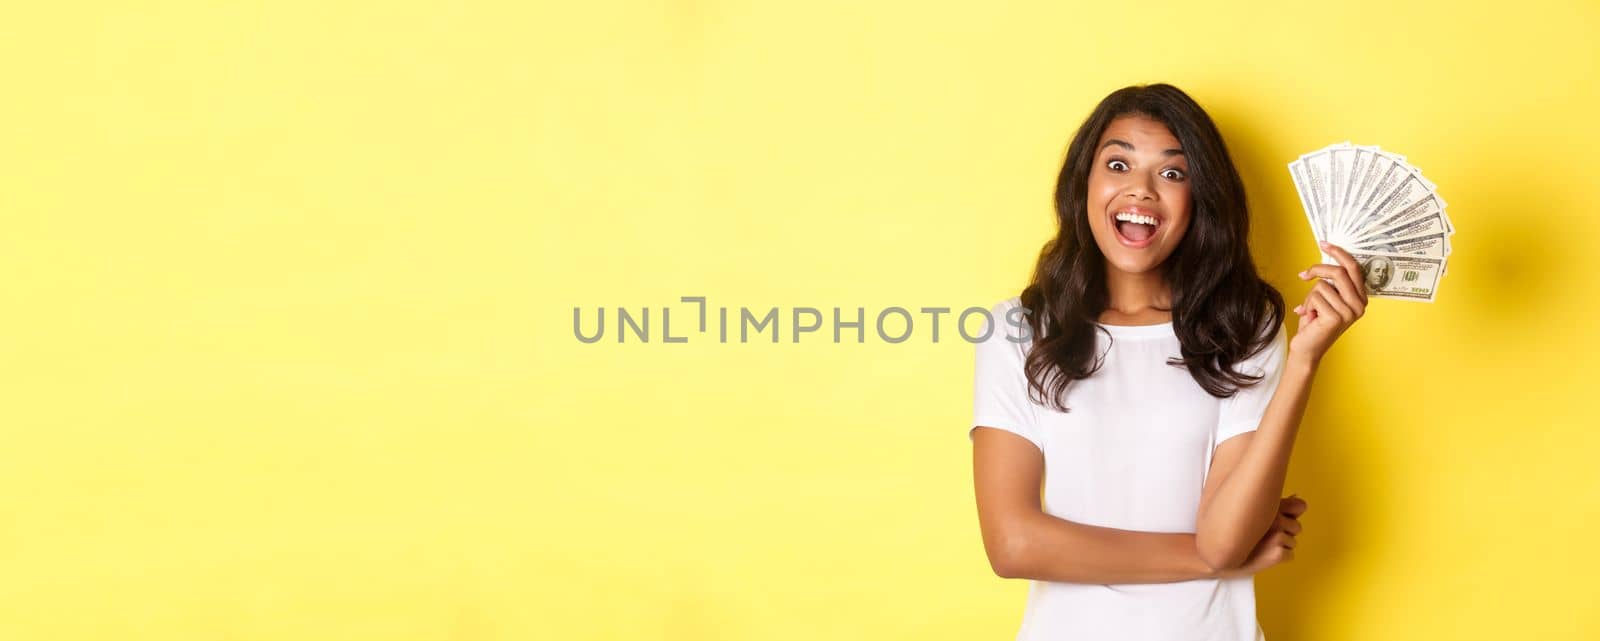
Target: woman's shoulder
1005	305
1006	310
1009	319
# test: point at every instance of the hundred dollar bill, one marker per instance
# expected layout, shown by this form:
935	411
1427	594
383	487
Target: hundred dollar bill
1302	184
1432	223
1426	204
1341	157
1361	170
1398	276
1428	207
1432	245
1386	173
1387	208
1409	187
1317	171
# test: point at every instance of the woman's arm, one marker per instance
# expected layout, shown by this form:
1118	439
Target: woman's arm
1059	550
1240	500
1023	542
1241	497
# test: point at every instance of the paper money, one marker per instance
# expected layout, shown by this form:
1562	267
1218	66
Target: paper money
1399	275
1377	206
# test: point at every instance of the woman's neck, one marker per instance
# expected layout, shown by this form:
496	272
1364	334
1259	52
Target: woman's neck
1142	298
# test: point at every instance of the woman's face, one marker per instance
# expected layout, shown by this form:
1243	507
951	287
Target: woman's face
1140	176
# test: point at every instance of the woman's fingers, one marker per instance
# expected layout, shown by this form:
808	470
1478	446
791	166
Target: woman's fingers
1292	506
1353	295
1332	304
1351	267
1340	306
1315	307
1306	310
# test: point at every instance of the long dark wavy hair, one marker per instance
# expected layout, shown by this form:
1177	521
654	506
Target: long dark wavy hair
1222	311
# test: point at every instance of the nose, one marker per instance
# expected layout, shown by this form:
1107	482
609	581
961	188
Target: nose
1139	188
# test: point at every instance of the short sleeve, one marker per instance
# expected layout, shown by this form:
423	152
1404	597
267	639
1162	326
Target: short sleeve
1000	387
1242	412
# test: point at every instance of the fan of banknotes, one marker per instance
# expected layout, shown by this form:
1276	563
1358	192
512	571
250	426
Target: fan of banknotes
1379	208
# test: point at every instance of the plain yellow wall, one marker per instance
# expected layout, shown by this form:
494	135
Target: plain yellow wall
288	347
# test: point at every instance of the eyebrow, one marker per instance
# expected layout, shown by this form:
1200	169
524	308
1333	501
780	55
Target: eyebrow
1125	145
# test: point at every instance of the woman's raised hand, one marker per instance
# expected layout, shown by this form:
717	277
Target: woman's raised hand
1278	545
1334	303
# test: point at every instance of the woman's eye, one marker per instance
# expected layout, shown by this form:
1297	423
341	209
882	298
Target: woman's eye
1173	174
1117	165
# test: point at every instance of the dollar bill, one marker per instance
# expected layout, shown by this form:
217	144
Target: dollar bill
1399	276
1341	163
1432	223
1361	176
1407	188
1375	204
1427	208
1317	169
1302	186
1387	173
1430	245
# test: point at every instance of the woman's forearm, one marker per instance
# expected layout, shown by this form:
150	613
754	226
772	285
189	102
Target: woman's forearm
1244	506
1055	549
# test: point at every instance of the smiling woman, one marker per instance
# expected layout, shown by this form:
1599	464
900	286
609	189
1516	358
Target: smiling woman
1155	382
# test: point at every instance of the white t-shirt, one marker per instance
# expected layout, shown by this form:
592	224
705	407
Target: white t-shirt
1132	454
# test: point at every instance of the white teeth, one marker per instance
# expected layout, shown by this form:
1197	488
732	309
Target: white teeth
1136	218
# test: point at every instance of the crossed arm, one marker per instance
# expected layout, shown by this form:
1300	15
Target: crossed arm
1237	506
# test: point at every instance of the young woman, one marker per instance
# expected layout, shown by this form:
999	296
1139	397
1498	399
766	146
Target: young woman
1143	385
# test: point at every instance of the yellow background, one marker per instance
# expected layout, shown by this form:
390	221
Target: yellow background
288	347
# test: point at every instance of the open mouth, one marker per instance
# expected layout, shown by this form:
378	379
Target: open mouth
1135	227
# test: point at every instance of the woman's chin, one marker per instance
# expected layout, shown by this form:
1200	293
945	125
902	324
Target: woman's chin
1132	264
